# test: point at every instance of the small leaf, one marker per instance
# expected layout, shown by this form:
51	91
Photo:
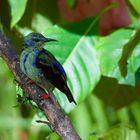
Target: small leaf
17	10
1	28
71	3
136	5
132	8
52	136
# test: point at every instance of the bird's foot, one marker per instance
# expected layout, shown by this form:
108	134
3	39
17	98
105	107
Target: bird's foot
44	97
30	82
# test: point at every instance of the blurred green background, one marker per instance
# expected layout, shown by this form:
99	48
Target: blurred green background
103	71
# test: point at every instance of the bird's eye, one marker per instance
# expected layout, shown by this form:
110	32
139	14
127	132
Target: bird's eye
36	40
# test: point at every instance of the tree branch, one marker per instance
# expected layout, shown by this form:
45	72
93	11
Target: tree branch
58	121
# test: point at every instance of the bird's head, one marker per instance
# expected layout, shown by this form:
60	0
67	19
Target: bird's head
36	40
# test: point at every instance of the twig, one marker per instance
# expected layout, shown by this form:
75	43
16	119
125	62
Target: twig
58	121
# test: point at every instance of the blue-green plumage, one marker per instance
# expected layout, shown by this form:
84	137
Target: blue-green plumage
41	66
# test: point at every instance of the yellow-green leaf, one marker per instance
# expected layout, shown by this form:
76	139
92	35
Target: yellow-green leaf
17	10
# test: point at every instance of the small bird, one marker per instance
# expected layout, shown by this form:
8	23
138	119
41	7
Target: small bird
42	67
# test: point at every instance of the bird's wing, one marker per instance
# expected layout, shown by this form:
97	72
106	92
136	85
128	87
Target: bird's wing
54	72
52	69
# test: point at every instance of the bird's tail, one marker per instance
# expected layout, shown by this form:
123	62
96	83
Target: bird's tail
69	95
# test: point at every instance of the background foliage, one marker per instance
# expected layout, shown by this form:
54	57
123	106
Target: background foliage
103	71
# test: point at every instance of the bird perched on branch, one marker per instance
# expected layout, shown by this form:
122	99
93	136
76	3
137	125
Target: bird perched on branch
42	67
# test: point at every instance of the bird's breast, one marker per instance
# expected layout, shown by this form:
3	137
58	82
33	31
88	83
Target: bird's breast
28	65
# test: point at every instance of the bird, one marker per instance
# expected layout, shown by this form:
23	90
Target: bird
41	66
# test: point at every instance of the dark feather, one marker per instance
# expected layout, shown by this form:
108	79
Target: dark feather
54	72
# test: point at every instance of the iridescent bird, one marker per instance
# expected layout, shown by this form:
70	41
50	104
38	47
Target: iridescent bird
41	66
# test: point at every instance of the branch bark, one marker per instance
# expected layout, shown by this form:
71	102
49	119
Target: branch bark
57	119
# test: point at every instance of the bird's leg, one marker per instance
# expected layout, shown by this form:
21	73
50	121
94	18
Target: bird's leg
30	82
49	90
44	97
47	96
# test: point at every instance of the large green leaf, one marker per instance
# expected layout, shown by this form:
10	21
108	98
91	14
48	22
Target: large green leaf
109	50
114	94
109	53
78	56
17	10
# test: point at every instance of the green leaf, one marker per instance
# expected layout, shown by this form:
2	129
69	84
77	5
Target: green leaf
126	90
52	136
83	25
71	3
132	8
98	112
79	121
120	132
17	10
114	94
136	5
134	12
1	27
135	113
40	22
127	51
78	56
109	51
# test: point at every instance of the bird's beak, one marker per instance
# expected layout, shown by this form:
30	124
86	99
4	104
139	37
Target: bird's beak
45	40
49	39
